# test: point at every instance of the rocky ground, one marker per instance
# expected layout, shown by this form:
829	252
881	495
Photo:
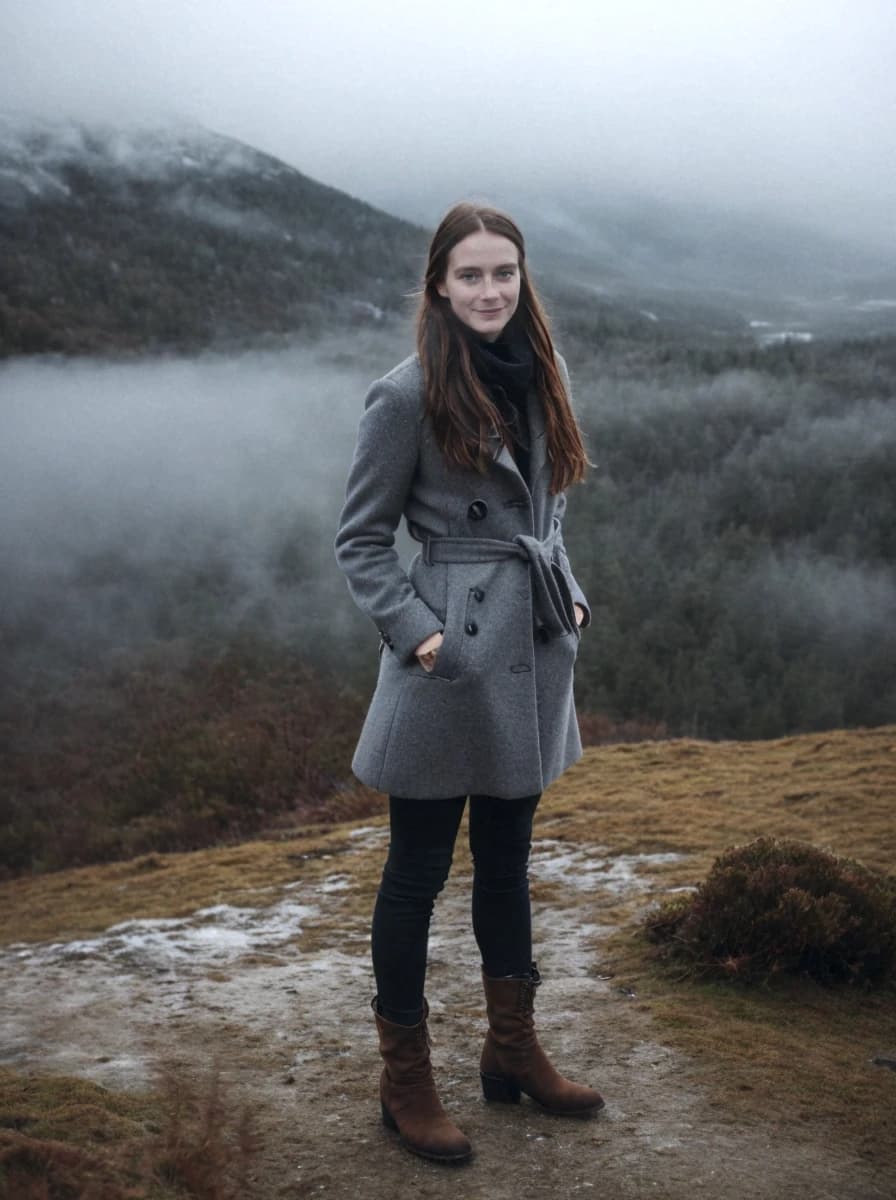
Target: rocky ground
276	996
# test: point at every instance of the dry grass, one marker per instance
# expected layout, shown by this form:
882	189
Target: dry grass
58	1134
71	904
63	1137
837	790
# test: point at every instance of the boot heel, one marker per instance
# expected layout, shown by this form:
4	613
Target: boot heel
388	1119
499	1089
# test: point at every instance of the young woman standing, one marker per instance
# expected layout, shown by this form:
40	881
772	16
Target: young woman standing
473	441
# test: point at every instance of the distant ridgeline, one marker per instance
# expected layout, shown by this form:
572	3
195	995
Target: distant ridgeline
115	241
138	240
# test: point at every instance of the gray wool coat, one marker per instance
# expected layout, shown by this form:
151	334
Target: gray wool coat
495	716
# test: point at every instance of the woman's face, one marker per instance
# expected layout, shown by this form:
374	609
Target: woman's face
482	282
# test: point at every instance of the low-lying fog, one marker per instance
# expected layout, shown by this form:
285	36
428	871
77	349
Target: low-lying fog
184	501
145	500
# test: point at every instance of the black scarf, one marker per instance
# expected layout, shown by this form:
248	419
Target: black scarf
506	369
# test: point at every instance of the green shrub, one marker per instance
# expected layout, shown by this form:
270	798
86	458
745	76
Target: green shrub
775	907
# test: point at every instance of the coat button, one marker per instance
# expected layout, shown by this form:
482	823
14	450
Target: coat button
543	635
471	628
478	510
477	593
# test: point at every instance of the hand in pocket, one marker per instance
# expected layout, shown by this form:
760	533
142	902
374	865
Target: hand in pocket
427	651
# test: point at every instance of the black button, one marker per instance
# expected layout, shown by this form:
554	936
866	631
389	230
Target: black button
543	635
471	628
477	594
478	510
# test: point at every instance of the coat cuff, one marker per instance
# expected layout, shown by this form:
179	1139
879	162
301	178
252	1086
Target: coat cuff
578	597
408	629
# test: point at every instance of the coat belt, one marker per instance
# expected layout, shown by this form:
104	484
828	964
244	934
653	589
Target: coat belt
551	598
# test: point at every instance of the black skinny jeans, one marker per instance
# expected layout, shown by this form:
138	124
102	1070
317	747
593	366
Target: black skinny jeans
423	833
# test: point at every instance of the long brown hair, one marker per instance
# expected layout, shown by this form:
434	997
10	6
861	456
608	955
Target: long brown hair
462	412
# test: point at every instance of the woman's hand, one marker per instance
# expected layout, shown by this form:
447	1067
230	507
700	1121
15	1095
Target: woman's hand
427	650
580	613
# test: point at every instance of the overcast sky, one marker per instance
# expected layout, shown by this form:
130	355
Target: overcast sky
788	105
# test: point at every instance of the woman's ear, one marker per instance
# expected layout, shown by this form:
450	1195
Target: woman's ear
442	289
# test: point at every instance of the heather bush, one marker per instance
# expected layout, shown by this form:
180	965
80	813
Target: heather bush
777	907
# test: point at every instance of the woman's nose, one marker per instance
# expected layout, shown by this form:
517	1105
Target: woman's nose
489	287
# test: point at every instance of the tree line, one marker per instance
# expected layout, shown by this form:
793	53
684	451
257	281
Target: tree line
737	539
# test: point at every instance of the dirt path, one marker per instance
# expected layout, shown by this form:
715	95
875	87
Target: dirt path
278	997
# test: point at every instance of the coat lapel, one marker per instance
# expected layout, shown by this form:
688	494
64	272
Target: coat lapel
503	457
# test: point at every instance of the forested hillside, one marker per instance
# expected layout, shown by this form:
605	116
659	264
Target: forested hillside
738	538
141	240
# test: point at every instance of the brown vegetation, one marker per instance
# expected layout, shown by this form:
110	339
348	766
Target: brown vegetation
62	1137
155	755
774	907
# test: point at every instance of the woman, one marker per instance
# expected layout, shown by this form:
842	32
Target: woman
473	441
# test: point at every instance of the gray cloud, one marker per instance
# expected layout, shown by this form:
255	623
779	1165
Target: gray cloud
787	108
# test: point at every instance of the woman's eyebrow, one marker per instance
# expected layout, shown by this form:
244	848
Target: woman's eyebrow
500	267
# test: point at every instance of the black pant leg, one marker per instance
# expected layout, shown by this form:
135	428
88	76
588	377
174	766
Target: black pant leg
500	841
422	837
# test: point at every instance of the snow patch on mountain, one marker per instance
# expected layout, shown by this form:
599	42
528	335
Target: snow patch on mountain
35	154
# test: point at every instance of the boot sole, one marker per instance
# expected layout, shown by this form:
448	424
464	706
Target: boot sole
497	1089
451	1160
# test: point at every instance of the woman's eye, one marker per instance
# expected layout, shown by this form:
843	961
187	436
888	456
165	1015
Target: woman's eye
468	276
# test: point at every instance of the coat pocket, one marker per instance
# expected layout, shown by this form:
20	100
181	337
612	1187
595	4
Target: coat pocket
450	653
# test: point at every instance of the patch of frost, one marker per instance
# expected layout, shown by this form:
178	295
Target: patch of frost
336	883
584	868
209	936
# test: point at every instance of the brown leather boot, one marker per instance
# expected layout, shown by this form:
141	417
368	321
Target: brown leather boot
512	1060
408	1097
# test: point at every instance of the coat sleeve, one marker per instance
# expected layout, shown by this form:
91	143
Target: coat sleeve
578	595
379	480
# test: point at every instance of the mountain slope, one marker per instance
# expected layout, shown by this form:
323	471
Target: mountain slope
181	238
